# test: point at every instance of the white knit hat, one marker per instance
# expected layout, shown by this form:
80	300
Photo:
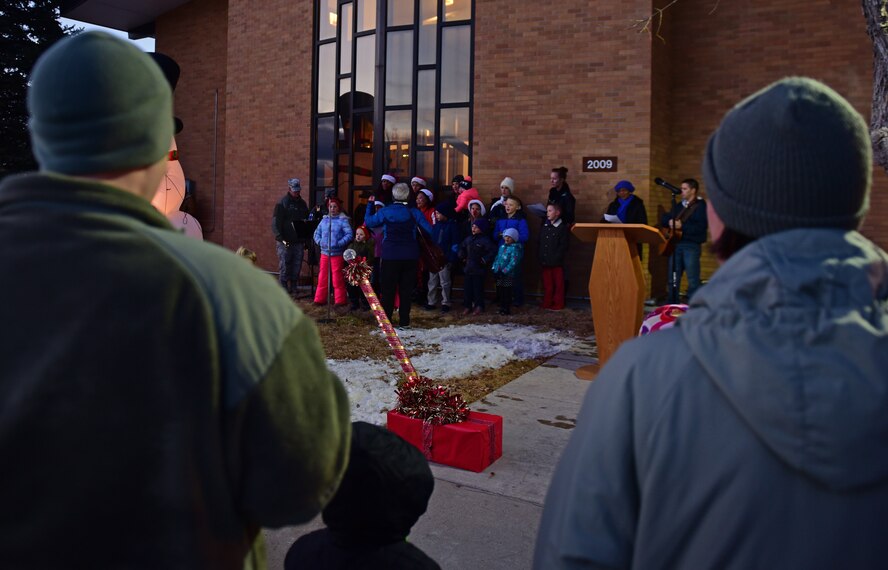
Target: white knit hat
507	181
483	209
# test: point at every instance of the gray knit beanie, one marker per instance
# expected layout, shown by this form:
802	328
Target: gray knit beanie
793	155
98	104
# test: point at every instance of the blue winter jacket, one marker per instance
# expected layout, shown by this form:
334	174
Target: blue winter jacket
508	259
333	236
446	235
751	435
518	221
399	224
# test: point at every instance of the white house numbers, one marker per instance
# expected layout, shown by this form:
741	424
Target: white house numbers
599	164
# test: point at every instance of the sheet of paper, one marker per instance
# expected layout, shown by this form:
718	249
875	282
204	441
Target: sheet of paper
612	219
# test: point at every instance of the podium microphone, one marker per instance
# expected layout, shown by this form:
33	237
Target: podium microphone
664	184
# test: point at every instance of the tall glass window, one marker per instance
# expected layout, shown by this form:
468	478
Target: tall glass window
393	92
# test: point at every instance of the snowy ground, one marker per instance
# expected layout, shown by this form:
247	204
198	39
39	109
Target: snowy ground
448	352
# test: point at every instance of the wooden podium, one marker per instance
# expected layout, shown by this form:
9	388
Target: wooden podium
616	284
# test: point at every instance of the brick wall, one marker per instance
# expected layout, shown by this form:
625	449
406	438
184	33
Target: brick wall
720	58
551	86
196	36
268	116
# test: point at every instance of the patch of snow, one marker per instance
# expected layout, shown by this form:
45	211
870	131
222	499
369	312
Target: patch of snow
453	352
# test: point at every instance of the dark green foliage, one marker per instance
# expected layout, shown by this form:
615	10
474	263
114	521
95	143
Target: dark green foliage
27	28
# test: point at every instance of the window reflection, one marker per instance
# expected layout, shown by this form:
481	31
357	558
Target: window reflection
365	68
326	77
455	10
400	12
425	108
366	15
454	150
327	19
425	166
397	142
455	64
345	40
428	31
325	142
399	68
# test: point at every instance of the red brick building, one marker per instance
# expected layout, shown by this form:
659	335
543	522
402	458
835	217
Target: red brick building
546	87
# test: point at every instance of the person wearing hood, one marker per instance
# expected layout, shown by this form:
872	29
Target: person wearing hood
386	488
753	433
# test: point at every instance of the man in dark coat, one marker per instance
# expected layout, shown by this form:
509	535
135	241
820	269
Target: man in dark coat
688	217
289	214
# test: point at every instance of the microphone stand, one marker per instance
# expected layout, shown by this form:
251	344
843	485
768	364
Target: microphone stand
673	274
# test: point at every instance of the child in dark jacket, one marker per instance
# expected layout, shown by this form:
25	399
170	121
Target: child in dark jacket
384	491
445	235
554	237
506	268
365	248
477	252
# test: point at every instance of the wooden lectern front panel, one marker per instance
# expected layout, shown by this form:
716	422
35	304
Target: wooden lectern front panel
616	290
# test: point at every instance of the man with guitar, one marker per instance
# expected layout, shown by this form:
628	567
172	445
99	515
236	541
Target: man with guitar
685	229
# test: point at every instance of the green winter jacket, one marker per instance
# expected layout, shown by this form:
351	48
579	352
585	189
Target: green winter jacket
160	399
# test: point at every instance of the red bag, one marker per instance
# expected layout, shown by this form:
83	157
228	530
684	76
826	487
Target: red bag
429	253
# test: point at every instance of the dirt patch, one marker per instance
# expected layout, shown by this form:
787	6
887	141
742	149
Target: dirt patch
347	336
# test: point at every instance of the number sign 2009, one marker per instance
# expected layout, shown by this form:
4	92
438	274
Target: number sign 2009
599	164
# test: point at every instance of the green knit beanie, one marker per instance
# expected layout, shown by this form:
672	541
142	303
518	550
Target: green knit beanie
793	155
98	104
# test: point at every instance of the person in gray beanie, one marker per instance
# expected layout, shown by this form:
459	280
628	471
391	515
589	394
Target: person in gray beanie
751	434
157	391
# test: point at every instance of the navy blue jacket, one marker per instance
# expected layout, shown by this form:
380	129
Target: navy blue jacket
694	228
478	252
399	224
446	235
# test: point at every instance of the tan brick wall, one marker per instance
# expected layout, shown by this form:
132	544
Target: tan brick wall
268	137
552	86
195	35
719	58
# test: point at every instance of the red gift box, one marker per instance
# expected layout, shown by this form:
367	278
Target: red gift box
473	444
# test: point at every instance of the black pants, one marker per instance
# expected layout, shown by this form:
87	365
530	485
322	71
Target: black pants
397	275
504	296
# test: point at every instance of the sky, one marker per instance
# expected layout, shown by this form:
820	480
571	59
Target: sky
146	44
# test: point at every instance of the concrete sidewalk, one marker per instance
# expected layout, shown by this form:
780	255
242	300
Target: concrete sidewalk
489	520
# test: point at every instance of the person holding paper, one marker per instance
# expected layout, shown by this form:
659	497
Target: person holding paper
627	207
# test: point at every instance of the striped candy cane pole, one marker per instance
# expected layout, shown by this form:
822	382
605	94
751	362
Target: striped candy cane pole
358	273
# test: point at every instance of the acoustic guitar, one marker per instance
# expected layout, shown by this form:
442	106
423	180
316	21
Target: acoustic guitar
672	238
